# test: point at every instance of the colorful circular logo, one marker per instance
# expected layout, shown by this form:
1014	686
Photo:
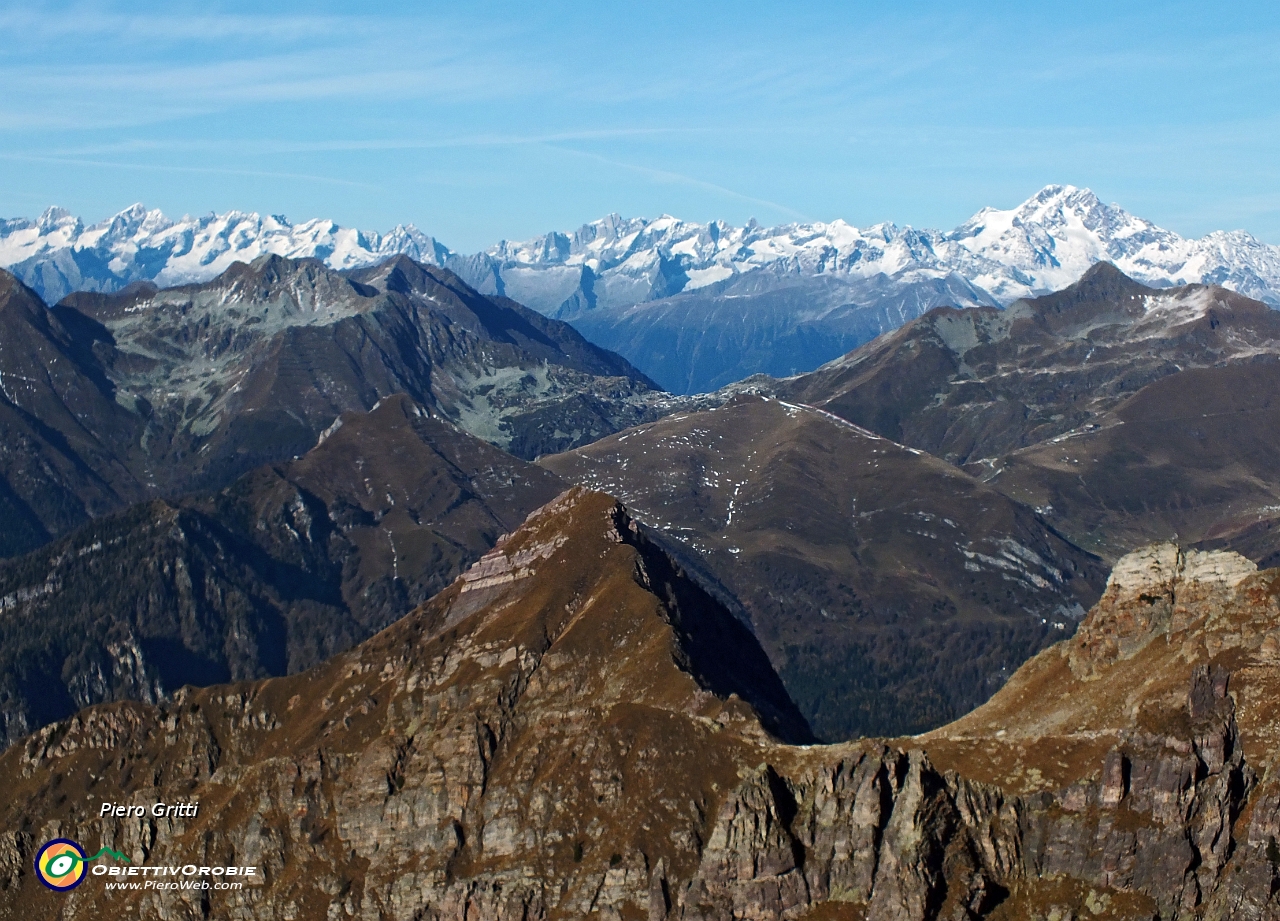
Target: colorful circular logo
60	864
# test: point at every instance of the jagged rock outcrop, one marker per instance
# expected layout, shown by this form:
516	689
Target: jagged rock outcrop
582	732
1153	592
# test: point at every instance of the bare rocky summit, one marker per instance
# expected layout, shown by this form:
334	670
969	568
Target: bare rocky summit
576	730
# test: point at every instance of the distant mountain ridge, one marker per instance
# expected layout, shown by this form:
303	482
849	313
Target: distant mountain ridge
1039	246
1121	413
694	306
57	253
111	399
1042	245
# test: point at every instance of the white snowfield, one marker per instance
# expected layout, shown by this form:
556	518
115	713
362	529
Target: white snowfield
138	244
1042	245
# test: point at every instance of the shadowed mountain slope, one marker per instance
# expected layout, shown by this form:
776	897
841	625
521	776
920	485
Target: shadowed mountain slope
284	568
62	433
1122	412
967	385
892	591
762	322
114	398
552	738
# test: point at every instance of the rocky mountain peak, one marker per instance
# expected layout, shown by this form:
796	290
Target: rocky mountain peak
281	290
1103	290
55	218
402	275
1104	272
515	730
1059	200
271	272
534	743
1151	593
137	219
1161	567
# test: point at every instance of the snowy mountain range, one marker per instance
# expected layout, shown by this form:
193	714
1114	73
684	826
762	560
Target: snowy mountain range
57	253
1042	245
693	305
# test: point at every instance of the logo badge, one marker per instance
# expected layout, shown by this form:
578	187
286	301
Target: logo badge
60	864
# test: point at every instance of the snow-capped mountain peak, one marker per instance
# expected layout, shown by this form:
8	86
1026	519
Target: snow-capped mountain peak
58	219
1042	244
57	254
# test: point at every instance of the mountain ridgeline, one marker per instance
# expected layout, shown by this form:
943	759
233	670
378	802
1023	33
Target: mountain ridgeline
282	569
111	399
900	528
1122	413
892	591
574	729
442	612
694	306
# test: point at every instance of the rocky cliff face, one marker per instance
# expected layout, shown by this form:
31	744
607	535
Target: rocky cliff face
574	730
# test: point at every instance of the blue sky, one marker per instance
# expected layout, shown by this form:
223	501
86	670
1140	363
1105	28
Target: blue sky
484	121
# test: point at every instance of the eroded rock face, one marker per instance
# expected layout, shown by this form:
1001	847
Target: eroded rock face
582	733
889	831
1152	592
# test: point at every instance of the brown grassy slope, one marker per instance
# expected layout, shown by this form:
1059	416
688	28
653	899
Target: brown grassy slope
1126	673
570	700
1126	414
892	591
1191	456
572	730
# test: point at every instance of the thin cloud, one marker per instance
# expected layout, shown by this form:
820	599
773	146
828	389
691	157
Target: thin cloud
340	145
205	170
679	178
41	24
135	66
302	76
